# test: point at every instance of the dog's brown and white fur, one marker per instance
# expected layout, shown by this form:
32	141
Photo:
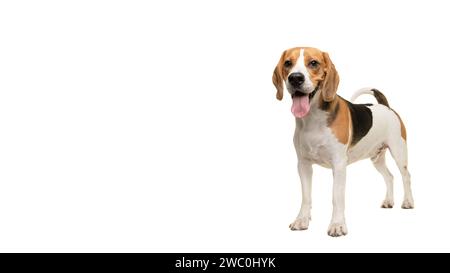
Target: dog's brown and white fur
334	133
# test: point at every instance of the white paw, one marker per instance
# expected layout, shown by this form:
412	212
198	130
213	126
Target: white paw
387	204
337	229
408	204
300	224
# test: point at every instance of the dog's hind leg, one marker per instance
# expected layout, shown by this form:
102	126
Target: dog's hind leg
379	162
399	152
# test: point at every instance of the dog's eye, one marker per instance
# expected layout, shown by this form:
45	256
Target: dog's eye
287	63
313	64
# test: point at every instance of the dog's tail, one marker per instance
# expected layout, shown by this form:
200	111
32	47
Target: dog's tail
381	99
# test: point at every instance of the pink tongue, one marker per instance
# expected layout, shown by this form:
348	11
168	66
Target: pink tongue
300	106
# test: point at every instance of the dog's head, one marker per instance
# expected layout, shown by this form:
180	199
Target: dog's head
305	70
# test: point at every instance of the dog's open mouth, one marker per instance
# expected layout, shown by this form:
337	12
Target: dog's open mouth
300	104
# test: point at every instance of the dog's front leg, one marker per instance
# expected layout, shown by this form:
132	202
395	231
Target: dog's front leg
337	226
305	171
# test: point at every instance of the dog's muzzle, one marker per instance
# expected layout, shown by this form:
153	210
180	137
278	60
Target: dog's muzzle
296	80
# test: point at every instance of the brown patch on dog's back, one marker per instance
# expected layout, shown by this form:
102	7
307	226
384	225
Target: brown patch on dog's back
402	126
339	120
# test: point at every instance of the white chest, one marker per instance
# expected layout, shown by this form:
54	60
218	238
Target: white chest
314	141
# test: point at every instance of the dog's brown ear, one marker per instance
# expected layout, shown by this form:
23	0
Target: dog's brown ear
331	82
277	77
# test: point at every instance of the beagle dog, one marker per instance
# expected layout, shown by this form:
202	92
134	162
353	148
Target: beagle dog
333	132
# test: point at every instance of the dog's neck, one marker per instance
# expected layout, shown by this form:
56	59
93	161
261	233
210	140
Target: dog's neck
318	113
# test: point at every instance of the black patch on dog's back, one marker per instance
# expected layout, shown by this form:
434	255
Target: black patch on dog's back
361	120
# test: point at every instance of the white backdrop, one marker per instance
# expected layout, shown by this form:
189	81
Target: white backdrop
153	125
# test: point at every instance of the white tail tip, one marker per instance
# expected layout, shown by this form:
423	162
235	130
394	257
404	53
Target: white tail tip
362	91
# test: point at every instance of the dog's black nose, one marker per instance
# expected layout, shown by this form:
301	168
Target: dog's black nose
296	79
